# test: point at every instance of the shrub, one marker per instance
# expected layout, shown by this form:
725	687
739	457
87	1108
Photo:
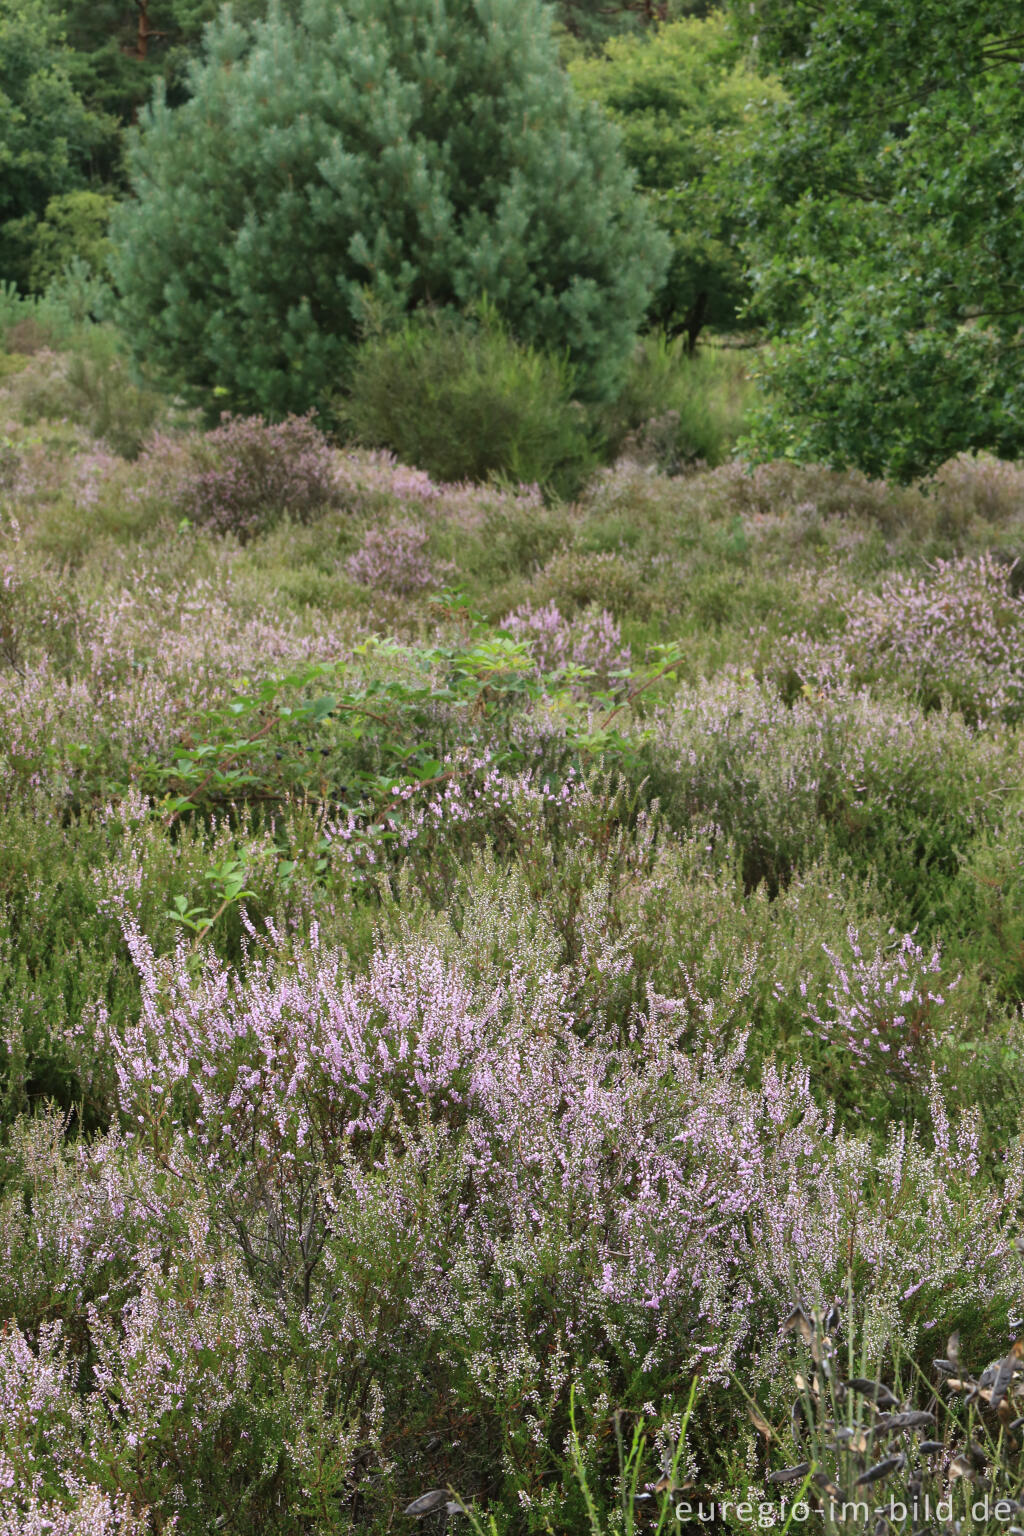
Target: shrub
248	473
74	225
389	152
466	401
577	578
675	408
957	632
394	558
94	389
593	640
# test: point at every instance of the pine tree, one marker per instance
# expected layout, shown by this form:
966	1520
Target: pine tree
382	156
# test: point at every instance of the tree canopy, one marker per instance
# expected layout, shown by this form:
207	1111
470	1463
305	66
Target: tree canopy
681	95
48	137
885	209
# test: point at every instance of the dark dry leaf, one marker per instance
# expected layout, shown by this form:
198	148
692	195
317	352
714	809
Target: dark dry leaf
879	1470
1016	1424
824	1482
831	1318
797	1321
790	1474
944	1367
1003	1377
953	1348
875	1390
427	1503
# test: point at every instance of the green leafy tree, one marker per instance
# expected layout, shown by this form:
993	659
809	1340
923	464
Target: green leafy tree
388	155
73	226
48	138
682	95
885	207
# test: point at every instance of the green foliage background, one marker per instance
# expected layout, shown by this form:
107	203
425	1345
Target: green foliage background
684	96
885	213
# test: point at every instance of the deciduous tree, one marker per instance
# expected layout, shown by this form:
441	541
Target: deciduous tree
886	230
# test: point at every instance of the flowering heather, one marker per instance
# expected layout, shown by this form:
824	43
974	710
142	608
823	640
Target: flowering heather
365	478
592	640
653	1178
958	630
249	472
394	558
399	1041
883	1008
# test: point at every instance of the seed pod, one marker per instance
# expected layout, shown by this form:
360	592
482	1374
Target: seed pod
790	1474
824	1482
879	1470
916	1420
427	1503
929	1447
875	1390
797	1321
1003	1377
797	1421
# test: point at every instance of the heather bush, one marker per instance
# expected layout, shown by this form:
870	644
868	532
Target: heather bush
591	642
577	578
394	558
956	633
248	473
465	401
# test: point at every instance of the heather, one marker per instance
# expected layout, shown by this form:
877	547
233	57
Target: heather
473	965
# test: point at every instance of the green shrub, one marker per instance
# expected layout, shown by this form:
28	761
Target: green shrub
675	408
74	225
94	388
465	401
